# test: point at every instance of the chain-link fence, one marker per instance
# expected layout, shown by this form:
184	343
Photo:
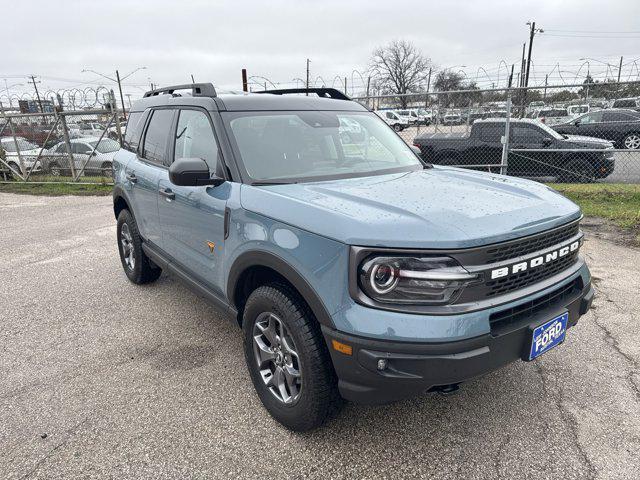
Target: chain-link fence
575	133
60	145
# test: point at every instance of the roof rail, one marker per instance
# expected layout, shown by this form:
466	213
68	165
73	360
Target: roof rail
321	92
197	90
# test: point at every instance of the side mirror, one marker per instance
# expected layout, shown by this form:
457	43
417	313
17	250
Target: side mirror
577	123
192	172
546	142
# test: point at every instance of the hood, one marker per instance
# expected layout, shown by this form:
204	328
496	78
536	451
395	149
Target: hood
438	207
590	142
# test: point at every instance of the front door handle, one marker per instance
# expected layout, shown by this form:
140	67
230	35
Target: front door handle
132	177
167	193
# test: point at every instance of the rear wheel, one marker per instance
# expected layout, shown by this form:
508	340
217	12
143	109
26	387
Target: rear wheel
631	141
287	358
397	127
137	266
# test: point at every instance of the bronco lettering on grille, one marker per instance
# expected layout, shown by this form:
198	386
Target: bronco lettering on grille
536	261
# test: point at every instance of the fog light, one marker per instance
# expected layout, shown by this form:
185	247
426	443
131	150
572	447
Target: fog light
382	364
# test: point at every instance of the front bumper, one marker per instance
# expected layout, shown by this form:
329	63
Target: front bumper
413	368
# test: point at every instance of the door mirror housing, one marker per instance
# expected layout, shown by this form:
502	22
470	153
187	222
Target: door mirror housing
577	123
546	141
192	172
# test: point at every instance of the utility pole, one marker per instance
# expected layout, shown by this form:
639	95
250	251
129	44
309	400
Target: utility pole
522	67
245	83
193	80
546	78
511	75
129	100
33	79
532	33
429	80
124	113
308	62
619	69
345	85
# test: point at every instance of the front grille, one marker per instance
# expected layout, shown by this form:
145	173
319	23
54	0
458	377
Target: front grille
519	280
531	244
500	321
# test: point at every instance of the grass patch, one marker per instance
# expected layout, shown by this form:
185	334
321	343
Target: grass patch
56	189
619	203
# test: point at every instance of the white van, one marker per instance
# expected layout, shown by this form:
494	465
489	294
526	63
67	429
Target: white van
393	119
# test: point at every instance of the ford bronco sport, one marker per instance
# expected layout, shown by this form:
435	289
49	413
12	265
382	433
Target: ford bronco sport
354	269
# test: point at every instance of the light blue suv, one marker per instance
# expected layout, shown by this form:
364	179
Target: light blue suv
355	269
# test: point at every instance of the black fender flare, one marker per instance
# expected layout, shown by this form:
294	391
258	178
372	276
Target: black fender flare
119	192
263	258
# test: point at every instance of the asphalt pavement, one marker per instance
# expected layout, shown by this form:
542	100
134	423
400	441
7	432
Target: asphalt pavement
100	378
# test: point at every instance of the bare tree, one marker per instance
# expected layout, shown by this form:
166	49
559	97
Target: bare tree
400	68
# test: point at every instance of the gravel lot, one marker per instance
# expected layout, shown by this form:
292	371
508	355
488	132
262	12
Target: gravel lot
150	382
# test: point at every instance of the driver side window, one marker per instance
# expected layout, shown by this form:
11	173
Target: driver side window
195	138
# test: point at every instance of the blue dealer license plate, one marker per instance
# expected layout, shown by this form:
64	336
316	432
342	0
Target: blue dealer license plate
548	335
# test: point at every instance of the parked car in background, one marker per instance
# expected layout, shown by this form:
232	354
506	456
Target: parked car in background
36	134
393	119
551	116
28	151
410	115
621	126
452	118
95	155
483	146
629	103
576	110
88	129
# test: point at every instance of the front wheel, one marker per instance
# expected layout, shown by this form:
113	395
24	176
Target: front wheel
397	127
287	358
631	141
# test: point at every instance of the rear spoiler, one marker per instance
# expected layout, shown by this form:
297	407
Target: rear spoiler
321	92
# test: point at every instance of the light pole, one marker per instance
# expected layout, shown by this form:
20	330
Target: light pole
7	87
117	80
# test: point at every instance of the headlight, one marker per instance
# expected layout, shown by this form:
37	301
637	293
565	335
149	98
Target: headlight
413	280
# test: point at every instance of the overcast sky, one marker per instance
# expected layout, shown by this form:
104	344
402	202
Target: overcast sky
213	40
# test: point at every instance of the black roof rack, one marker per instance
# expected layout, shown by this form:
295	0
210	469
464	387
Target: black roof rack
197	90
321	92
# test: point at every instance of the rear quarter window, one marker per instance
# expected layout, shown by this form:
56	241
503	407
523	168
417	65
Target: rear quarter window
133	131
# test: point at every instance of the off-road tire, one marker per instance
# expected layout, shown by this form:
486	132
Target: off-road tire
318	398
143	271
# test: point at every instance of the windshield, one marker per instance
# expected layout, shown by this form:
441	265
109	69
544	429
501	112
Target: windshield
316	145
549	131
10	145
106	145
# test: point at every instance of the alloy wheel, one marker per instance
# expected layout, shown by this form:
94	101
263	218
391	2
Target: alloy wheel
128	252
632	142
276	358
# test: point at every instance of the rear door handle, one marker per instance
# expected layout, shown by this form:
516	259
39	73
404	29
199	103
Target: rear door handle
167	193
132	177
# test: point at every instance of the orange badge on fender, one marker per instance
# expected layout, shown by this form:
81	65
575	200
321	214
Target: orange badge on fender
212	246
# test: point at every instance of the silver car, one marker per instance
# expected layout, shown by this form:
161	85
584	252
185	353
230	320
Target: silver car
92	155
